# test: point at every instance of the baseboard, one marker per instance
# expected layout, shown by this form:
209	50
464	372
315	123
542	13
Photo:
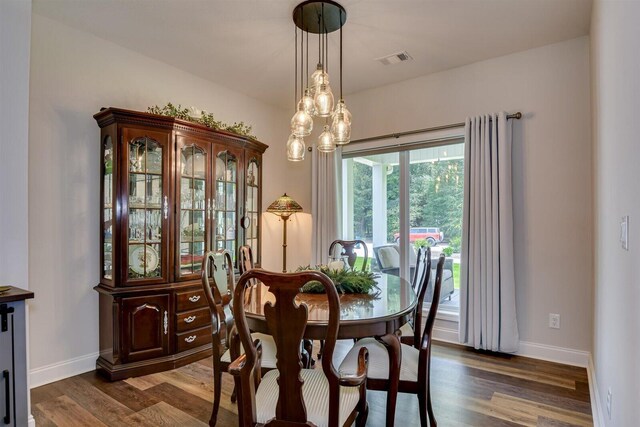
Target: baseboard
31	422
566	356
61	370
594	393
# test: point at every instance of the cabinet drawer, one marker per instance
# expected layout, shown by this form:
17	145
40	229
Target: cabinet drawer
195	338
193	319
188	300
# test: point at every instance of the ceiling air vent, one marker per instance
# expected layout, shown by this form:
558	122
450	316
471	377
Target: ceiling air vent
394	58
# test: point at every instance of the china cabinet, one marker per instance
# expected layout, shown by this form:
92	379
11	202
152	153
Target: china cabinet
171	190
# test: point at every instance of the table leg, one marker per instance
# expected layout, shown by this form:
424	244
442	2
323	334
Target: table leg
392	343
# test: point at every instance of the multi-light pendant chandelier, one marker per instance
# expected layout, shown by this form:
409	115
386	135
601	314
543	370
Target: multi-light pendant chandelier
316	98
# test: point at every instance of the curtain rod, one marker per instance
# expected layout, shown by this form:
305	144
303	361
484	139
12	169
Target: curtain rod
516	116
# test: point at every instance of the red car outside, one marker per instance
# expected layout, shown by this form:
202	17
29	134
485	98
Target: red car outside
432	235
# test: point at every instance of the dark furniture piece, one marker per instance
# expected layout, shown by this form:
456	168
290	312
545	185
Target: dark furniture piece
13	358
347	250
171	190
416	360
361	316
291	395
410	334
219	267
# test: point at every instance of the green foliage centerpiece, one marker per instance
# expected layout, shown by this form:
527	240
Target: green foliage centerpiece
201	117
346	281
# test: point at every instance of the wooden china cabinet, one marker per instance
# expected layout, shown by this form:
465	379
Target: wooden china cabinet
170	191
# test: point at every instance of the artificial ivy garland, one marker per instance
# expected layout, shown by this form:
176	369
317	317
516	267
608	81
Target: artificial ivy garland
206	119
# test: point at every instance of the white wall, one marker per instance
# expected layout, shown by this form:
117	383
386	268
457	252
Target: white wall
615	43
73	74
551	168
15	36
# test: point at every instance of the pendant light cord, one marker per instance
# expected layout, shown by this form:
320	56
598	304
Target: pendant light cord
341	54
295	71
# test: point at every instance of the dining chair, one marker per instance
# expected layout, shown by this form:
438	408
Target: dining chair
245	259
347	250
416	360
409	333
219	267
292	395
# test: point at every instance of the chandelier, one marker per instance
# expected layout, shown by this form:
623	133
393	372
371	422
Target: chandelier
315	98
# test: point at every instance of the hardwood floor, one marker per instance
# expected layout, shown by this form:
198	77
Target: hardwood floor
469	388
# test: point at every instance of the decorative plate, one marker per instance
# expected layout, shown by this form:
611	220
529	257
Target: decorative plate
154	161
4	289
139	255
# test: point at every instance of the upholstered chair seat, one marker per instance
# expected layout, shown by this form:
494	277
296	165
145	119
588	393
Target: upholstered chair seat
315	392
379	361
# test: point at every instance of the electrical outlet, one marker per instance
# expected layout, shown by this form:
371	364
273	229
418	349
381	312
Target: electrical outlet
609	397
554	321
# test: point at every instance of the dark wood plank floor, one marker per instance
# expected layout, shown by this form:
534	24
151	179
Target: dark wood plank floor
469	389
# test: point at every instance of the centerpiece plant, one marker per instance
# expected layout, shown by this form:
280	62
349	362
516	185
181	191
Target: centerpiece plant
346	281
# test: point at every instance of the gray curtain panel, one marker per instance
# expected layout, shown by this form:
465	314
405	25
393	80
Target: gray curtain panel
325	199
487	280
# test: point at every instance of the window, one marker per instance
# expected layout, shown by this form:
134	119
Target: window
417	188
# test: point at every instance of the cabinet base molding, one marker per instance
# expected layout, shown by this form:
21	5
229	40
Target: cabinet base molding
115	372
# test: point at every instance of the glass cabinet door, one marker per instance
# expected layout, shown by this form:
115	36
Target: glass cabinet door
148	205
225	204
194	206
251	219
107	207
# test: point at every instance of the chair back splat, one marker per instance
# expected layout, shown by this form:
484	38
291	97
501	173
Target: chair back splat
286	321
347	249
420	283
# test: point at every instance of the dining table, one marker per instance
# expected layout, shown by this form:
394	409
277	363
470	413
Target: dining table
379	314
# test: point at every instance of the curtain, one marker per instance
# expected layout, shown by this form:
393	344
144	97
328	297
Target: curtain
487	279
325	203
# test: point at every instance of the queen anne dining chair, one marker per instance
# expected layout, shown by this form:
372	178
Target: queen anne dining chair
292	395
219	267
416	360
347	250
421	277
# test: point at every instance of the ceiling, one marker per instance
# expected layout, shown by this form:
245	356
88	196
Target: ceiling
247	45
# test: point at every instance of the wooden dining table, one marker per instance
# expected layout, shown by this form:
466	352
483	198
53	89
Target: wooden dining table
379	314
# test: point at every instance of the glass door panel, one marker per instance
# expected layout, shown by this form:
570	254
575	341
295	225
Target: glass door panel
107	208
194	207
225	233
145	216
252	208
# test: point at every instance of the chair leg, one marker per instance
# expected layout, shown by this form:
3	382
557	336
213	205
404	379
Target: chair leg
234	395
392	344
422	405
432	417
321	349
217	388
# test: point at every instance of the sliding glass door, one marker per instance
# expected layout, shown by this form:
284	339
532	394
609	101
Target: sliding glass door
399	200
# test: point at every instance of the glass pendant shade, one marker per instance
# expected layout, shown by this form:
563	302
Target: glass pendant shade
326	143
301	122
317	78
323	101
341	107
340	129
307	101
295	148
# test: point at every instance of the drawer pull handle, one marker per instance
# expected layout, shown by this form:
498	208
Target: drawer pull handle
189	319
190	339
194	298
166	322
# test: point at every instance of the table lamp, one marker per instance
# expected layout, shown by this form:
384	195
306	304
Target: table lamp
284	206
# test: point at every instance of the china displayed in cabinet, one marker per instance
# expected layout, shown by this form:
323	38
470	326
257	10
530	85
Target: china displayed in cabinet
171	190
